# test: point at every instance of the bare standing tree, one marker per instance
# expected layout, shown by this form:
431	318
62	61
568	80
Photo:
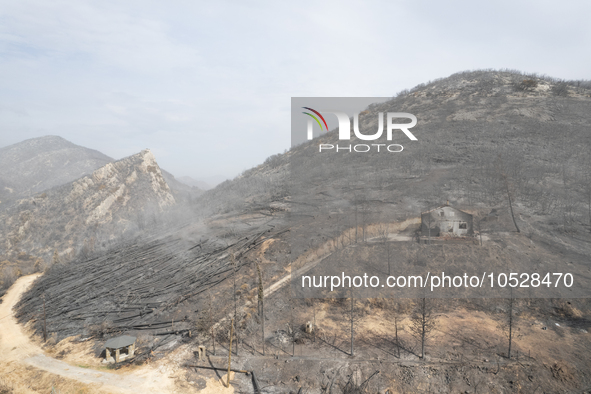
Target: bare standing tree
233	260
209	320
352	320
230	353
503	165
479	221
506	183
384	232
396	312
429	224
356	202
44	321
55	261
365	219
586	183
507	321
291	327
354	316
423	322
261	305
314	320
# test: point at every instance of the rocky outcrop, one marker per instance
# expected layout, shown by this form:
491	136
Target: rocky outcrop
113	200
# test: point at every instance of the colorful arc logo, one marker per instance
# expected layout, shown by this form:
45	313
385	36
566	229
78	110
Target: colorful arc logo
316	119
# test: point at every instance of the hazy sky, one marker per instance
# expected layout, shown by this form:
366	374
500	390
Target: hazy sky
207	85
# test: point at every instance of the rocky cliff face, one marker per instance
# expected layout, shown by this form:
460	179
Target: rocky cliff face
116	199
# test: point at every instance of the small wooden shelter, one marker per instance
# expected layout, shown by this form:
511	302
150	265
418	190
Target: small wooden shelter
121	347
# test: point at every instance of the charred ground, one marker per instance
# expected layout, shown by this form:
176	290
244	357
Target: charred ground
483	136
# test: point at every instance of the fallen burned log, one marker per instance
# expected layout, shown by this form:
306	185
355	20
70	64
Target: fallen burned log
217	369
138	286
255	383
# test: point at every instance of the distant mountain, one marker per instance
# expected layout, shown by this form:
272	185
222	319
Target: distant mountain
38	164
187	180
118	198
182	190
41	163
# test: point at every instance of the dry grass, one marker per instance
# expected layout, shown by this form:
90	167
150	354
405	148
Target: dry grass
74	353
19	379
217	386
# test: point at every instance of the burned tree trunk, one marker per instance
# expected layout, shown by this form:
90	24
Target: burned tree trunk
507	323
261	305
510	323
396	318
507	320
423	322
429	239
235	301
510	203
230	353
44	321
352	321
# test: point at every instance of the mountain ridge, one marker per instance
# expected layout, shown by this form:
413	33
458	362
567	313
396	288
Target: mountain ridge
112	200
41	163
37	164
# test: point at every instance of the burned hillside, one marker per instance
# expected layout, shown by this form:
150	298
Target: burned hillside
509	149
155	287
482	136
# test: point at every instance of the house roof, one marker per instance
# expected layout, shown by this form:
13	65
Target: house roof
119	342
434	209
444	206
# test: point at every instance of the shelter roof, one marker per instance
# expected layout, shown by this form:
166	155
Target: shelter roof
119	342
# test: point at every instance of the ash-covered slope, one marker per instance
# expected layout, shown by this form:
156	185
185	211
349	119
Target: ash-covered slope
156	286
479	133
483	137
41	163
116	198
472	127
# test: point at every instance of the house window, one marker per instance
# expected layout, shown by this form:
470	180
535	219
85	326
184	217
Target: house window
463	226
441	213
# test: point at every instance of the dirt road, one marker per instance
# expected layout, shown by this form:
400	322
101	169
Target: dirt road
393	236
16	346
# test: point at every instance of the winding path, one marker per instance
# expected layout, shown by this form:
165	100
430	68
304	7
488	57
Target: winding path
16	346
